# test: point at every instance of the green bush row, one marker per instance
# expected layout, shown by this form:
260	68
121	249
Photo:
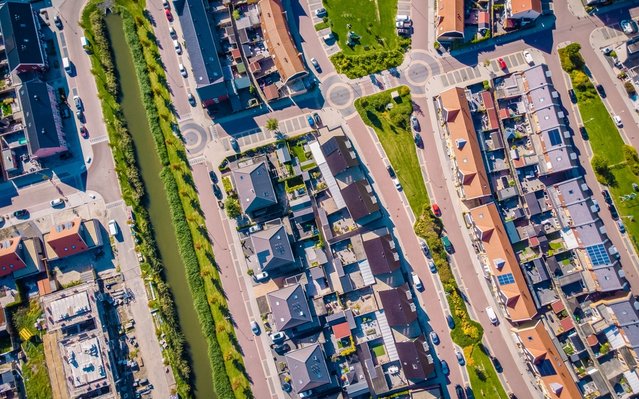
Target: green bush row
356	66
133	189
210	307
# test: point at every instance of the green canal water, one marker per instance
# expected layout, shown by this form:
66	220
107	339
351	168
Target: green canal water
158	206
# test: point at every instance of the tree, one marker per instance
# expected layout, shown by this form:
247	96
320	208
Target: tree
272	124
232	207
571	58
236	14
602	170
630	88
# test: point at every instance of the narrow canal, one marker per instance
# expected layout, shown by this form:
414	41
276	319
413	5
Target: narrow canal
158	206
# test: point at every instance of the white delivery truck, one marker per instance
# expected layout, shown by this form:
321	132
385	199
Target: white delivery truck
492	316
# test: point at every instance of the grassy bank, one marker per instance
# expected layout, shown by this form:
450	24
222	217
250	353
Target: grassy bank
34	369
394	132
229	376
102	64
615	164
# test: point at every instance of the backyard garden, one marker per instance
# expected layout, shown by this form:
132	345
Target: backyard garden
365	32
392	126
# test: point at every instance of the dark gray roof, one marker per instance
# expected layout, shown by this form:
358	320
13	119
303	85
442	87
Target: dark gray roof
609	279
415	359
201	44
398	306
289	306
381	257
308	369
272	248
41	120
339	154
627	319
20	34
254	187
533	203
359	201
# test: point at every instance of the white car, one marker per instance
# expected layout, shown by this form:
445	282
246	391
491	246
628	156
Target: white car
529	58
320	12
172	32
417	282
56	202
261	276
617	120
177	47
182	70
255	228
277	337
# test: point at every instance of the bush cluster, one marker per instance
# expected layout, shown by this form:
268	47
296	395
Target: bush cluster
356	66
101	45
571	58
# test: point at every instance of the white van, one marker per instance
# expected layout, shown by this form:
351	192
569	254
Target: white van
492	316
113	228
66	64
417	282
85	43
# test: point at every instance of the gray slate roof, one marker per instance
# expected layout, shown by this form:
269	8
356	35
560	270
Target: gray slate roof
254	187
289	306
308	368
41	120
628	319
20	34
272	248
415	361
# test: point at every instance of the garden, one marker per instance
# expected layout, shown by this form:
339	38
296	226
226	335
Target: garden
392	127
615	164
366	34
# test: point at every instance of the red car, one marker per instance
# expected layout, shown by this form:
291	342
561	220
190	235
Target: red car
436	210
168	14
84	132
502	63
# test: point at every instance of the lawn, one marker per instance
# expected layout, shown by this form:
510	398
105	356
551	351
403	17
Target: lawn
482	374
397	140
297	148
373	20
378	350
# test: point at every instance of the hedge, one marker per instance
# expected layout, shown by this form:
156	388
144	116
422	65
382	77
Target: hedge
229	375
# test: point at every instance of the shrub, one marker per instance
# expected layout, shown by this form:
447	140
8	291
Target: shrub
602	170
232	206
630	88
356	66
571	58
632	158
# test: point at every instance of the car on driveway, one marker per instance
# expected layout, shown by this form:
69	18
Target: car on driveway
628	26
601	91
445	369
255	327
606	50
502	63
434	338
21	213
321	12
261	276
311	121
529	58
182	70
316	65
607	197
414	123
169	16
278	337
56	202
234	144
436	210
617	120
281	348
317	118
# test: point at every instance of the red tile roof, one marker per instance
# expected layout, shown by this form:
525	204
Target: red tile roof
489	104
341	330
44	286
66	239
450	17
557	306
11	256
567	324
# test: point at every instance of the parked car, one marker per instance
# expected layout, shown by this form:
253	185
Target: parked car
460	357
182	70
168	14
432	266
234	144
84	132
502	63
434	338
459	391
172	32
328	37
191	99
58	22
278	337
450	321
414	123
628	26
419	142
255	228
316	65
448	246
595	206
425	248
21	213
617	120
80	115
317	118
217	192
529	58
281	348
417	282
177	46
261	276
165	4
436	210
445	369
404	31
613	211
255	327
573	97
606	50
56	202
607	197
621	227
601	91
321	12
393	177
497	364
78	103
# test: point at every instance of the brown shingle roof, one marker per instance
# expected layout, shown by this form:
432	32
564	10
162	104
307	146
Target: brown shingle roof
381	257
359	201
279	41
503	262
398	306
465	143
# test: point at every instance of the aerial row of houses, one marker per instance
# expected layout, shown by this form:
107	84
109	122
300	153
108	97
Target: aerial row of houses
228	55
31	120
327	273
538	235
